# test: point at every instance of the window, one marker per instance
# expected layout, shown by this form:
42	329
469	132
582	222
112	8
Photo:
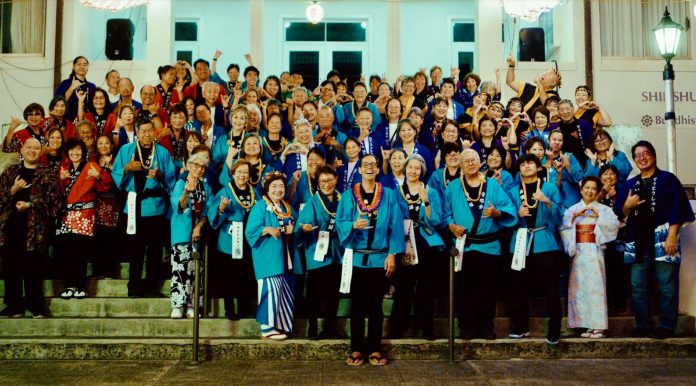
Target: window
185	31
464	46
463	33
626	27
326	32
22	30
530	41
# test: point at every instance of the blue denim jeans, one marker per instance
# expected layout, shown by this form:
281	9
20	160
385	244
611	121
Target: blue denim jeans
667	278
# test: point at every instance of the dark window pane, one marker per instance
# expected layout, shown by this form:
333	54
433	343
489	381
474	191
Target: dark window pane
463	32
345	32
184	55
186	31
6	10
307	64
348	64
305	32
465	62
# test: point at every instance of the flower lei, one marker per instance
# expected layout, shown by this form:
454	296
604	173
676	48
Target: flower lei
283	143
147	164
481	198
368	208
523	192
276	210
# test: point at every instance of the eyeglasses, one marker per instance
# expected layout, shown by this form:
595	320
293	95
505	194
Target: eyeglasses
193	165
327	181
369	165
643	155
35	114
601	139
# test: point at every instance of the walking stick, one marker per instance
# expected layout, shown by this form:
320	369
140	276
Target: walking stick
196	291
454	252
206	302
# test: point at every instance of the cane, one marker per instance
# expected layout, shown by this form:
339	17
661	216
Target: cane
454	252
206	301
196	290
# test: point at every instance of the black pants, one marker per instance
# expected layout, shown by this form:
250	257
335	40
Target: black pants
421	278
322	296
20	266
475	290
366	302
73	250
107	244
541	268
618	278
238	282
149	239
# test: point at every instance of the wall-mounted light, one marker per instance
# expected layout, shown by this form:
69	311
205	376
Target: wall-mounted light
314	13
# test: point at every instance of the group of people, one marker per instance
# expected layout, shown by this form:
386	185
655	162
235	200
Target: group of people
362	189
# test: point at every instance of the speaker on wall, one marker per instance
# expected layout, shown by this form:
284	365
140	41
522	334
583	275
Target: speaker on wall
119	39
532	47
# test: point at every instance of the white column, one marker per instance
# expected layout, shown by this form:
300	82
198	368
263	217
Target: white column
394	39
159	33
256	32
490	54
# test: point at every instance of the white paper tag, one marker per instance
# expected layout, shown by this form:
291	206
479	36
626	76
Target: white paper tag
303	162
410	241
460	244
302	206
131	203
237	233
519	256
346	271
322	246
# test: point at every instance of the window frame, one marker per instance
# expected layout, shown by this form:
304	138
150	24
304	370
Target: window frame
41	54
457	47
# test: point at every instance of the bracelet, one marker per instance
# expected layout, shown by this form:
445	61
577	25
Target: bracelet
214	59
427	204
511	66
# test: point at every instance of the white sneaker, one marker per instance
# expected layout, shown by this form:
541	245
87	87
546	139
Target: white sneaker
79	294
177	313
519	336
68	293
189	312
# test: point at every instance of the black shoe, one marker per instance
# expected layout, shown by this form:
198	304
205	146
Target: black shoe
312	333
134	295
466	335
10	313
639	332
662	333
490	335
429	335
233	316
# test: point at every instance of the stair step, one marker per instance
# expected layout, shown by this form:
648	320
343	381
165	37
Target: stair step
99	288
246	328
299	349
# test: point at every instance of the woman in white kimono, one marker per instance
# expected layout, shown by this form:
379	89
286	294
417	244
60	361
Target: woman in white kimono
589	225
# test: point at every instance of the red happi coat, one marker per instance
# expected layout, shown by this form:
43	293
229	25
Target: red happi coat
80	207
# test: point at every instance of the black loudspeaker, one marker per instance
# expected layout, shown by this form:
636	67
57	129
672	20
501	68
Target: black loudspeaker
119	39
532	48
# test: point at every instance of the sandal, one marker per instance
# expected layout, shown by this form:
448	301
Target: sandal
597	334
355	359
586	334
377	359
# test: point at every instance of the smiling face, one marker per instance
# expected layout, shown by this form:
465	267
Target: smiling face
113	78
190	107
147	95
252	146
609	178
276	190
495	111
239	120
81	67
452	159
85	132
34	118
447	90
233	74
313	162
436	75
394	109
99	100
254	119
407	133
169	77
396	162
408	88
191	142
55	140
75	154
440	111
352	150
303	134
31	151
325	118
327	183
471	85
471	163
416	119
146	134
272	87
360	94
327	92
556	142
384	90
126	116
414	171
540	121
59	109
581	96
369	168
309	112
487	128
602	143
177	120
274	125
251	97
364	120
451	133
197	170
241	175
104	146
643	158
202	114
494	160
566	112
589	191
202	72
515	107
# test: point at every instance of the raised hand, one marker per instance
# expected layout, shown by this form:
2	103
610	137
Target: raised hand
64	174
81	95
18	185
491	211
591	155
133	165
93	172
225	100
153	173
541	197
217	54
523	211
190	185
224	203
633	200
511	61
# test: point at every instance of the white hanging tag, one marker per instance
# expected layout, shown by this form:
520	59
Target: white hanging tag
460	244
346	271
237	233
131	203
322	246
519	256
410	249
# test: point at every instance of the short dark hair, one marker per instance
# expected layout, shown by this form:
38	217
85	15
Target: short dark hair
249	69
592	178
448	81
552	98
333	73
72	143
451	147
55	101
164	69
597	134
643	143
231	66
273	177
531	141
31	107
584	87
359	84
473	76
317	150
326	169
606	167
524	158
375	77
333	85
178	108
542	110
201	60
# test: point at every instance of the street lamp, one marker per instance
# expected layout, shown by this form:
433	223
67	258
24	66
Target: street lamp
667	34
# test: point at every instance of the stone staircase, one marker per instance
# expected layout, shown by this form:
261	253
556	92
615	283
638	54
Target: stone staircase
109	325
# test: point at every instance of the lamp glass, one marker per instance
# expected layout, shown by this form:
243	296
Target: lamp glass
314	13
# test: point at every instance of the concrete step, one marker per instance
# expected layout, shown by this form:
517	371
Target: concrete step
298	349
247	328
97	288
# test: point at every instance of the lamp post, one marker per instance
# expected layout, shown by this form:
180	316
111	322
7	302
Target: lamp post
667	34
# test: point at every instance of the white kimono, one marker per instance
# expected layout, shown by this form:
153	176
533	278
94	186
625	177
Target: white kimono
587	300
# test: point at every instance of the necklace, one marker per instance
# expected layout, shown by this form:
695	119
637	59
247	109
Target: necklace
408	197
445	174
146	165
480	190
240	202
276	209
372	207
230	140
524	198
283	143
323	205
259	171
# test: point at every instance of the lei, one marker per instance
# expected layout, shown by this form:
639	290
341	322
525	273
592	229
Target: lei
147	164
245	205
371	208
276	210
323	205
445	174
259	171
283	143
523	194
481	194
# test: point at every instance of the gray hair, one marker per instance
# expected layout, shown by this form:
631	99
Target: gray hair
212	86
417	158
472	152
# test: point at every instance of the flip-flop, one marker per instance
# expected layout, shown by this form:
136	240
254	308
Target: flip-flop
377	359
598	334
355	359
